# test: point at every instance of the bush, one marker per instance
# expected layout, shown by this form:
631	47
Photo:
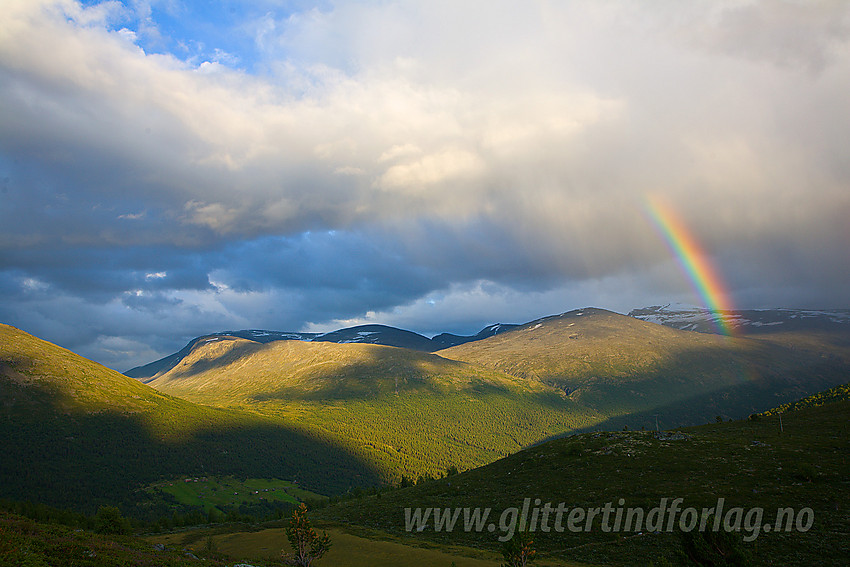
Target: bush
110	521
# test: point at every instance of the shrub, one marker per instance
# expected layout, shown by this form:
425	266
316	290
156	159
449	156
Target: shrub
110	521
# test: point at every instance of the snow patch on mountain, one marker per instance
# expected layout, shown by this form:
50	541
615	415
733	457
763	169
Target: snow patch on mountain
690	318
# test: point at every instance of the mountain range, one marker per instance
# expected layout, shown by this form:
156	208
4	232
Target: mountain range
682	317
415	411
342	409
367	334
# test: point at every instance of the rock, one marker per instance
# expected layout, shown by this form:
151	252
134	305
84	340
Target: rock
671	436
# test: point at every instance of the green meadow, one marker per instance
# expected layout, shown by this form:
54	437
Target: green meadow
220	492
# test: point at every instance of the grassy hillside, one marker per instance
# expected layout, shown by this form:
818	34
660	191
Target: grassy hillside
367	334
407	412
222	493
76	434
621	366
749	463
236	371
412	413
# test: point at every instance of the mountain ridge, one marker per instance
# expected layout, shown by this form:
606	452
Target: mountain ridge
682	317
369	334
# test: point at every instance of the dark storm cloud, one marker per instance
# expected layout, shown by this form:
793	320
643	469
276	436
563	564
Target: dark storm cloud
103	272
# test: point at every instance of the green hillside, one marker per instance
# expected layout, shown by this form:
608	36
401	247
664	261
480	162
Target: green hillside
334	416
77	434
631	370
749	463
234	371
407	412
412	413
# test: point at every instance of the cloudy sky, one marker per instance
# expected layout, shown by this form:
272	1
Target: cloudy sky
170	168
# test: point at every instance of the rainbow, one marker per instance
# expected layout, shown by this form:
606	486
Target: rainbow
693	260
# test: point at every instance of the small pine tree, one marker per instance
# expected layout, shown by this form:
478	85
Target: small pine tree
305	542
519	550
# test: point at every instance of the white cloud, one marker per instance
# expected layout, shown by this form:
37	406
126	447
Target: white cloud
447	166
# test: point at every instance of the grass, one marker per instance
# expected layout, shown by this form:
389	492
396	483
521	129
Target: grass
348	549
750	463
220	492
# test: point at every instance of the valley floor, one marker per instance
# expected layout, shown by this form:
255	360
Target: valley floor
348	550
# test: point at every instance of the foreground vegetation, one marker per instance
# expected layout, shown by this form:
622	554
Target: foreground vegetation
25	543
750	463
262	547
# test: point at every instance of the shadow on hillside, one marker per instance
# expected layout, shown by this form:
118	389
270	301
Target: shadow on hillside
81	459
736	401
381	371
342	372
